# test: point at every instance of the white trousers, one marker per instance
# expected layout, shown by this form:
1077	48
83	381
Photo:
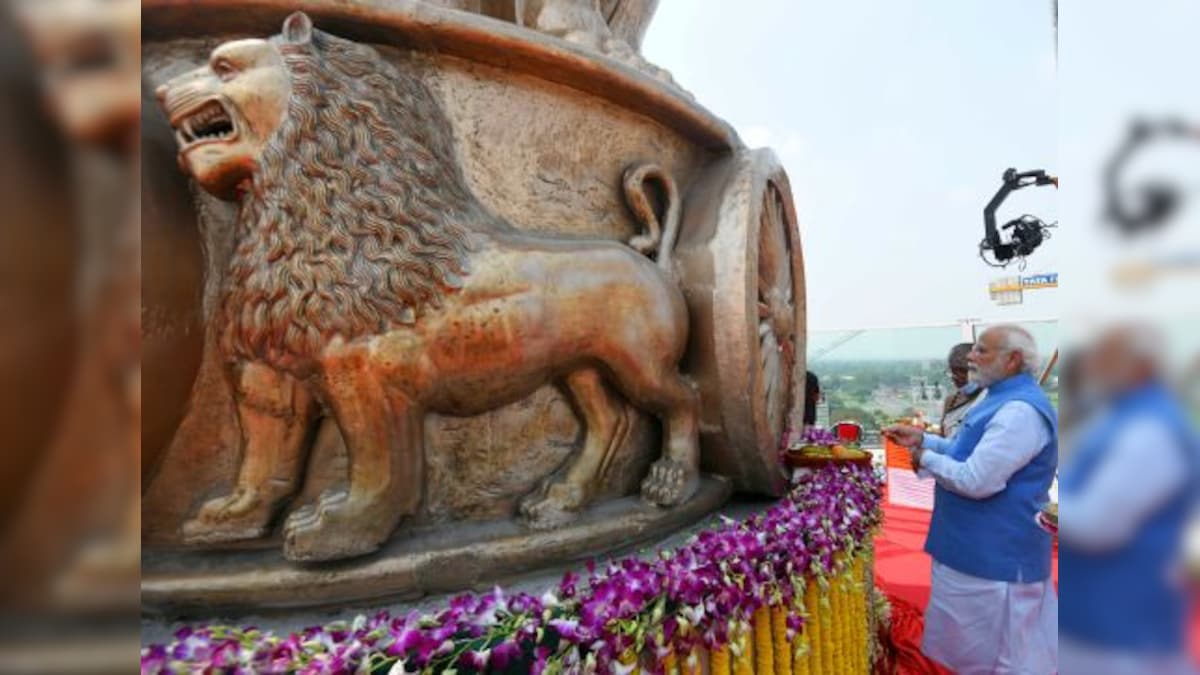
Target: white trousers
1076	658
975	626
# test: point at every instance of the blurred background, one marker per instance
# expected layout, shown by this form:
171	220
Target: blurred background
70	347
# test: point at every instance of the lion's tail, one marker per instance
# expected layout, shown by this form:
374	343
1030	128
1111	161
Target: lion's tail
659	237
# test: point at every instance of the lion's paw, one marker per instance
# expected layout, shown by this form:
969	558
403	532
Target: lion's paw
307	514
670	483
552	506
237	516
335	527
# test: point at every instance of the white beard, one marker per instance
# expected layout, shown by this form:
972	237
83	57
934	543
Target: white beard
985	378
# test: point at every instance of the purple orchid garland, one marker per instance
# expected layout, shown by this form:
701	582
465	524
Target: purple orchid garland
818	436
702	594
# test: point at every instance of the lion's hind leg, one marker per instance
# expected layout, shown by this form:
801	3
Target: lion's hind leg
606	427
675	477
658	387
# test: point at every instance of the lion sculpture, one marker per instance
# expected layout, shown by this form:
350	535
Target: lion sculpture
369	285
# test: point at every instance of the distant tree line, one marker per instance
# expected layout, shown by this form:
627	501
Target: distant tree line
850	386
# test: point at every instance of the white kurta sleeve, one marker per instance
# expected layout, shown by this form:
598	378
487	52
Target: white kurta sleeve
1011	439
1143	468
935	443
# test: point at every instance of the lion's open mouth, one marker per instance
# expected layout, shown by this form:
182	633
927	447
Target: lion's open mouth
208	123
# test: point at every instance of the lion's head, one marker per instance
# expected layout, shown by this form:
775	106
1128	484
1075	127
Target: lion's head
354	215
226	111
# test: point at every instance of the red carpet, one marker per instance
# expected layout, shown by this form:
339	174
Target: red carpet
902	571
901	564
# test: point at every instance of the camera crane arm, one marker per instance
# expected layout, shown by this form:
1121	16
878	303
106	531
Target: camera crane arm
1159	201
1012	181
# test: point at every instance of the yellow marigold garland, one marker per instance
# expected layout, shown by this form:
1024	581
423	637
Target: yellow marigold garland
838	617
850	601
781	649
744	664
853	642
669	663
862	659
864	617
718	661
764	661
849	634
835	638
828	637
812	601
858	636
800	663
802	651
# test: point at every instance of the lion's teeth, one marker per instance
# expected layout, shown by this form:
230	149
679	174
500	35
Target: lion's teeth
203	125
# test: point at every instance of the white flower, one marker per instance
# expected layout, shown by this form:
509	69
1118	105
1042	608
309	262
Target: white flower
618	668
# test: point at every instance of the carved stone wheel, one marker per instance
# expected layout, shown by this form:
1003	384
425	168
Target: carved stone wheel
776	312
743	275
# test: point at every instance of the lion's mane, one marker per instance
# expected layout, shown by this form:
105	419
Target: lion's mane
358	215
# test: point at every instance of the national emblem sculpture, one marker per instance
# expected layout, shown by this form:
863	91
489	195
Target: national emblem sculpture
369	285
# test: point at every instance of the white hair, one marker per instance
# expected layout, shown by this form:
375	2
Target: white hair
1017	339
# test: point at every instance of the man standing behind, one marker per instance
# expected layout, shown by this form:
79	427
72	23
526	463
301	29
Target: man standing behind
993	608
1130	487
966	391
812	392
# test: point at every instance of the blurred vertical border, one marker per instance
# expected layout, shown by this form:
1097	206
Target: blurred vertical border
69	291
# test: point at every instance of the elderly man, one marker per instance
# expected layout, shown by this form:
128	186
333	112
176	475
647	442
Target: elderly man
993	608
1129	488
966	391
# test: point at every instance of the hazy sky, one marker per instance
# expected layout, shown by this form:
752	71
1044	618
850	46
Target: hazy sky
894	119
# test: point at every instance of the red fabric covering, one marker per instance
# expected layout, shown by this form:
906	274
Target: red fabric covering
1194	634
903	643
902	571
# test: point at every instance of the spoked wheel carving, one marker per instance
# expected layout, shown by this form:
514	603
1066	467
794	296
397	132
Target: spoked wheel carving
743	276
776	312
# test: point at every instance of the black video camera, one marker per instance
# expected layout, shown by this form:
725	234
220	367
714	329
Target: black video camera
1025	233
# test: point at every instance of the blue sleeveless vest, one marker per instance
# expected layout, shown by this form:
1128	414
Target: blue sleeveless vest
997	538
1121	598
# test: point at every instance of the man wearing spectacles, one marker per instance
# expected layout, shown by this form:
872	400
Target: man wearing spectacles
965	394
993	606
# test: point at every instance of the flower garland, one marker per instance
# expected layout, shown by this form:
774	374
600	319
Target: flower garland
814	435
655	613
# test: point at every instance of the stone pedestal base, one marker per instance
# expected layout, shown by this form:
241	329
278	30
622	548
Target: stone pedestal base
441	560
